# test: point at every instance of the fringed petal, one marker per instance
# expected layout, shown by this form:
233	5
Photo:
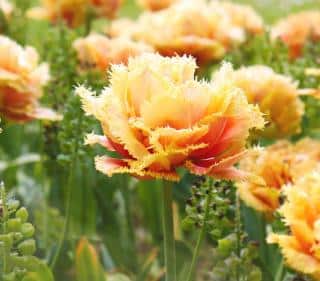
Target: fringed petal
92	139
293	255
110	166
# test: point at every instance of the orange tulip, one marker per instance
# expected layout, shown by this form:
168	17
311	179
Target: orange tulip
301	212
155	5
158	117
277	96
274	167
296	29
100	52
21	83
53	10
242	16
219	26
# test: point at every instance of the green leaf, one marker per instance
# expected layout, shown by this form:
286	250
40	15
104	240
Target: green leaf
88	267
270	257
118	277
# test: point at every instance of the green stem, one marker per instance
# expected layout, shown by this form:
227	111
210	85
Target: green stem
67	215
4	230
131	246
200	238
169	243
238	233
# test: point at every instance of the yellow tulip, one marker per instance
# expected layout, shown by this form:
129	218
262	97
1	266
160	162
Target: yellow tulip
99	52
277	96
274	167
73	12
242	16
21	83
297	29
155	5
301	212
158	117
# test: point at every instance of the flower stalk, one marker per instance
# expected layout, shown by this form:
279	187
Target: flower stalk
168	231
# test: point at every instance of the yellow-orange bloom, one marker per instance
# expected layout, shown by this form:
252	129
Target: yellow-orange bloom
155	5
21	83
106	8
99	52
6	8
218	27
296	29
274	167
158	117
277	96
301	212
242	16
174	31
73	12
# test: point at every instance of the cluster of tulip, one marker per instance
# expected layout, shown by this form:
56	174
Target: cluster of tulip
158	117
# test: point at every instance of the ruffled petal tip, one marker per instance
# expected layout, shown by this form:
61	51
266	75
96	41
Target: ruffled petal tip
111	166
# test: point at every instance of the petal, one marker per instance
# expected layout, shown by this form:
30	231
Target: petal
108	107
110	166
92	139
294	257
44	113
225	163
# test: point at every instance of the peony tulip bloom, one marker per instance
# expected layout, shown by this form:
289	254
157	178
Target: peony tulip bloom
158	117
296	29
65	10
106	8
217	28
155	5
242	16
301	213
174	31
53	10
100	52
6	8
277	97
21	83
274	167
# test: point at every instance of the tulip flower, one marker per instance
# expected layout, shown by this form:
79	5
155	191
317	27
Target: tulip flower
100	52
174	31
158	117
54	11
21	83
273	168
242	16
296	30
277	96
301	213
219	26
155	5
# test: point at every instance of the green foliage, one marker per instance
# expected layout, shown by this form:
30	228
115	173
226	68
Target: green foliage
87	263
17	245
232	266
220	220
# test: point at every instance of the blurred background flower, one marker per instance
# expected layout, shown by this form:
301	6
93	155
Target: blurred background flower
21	83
